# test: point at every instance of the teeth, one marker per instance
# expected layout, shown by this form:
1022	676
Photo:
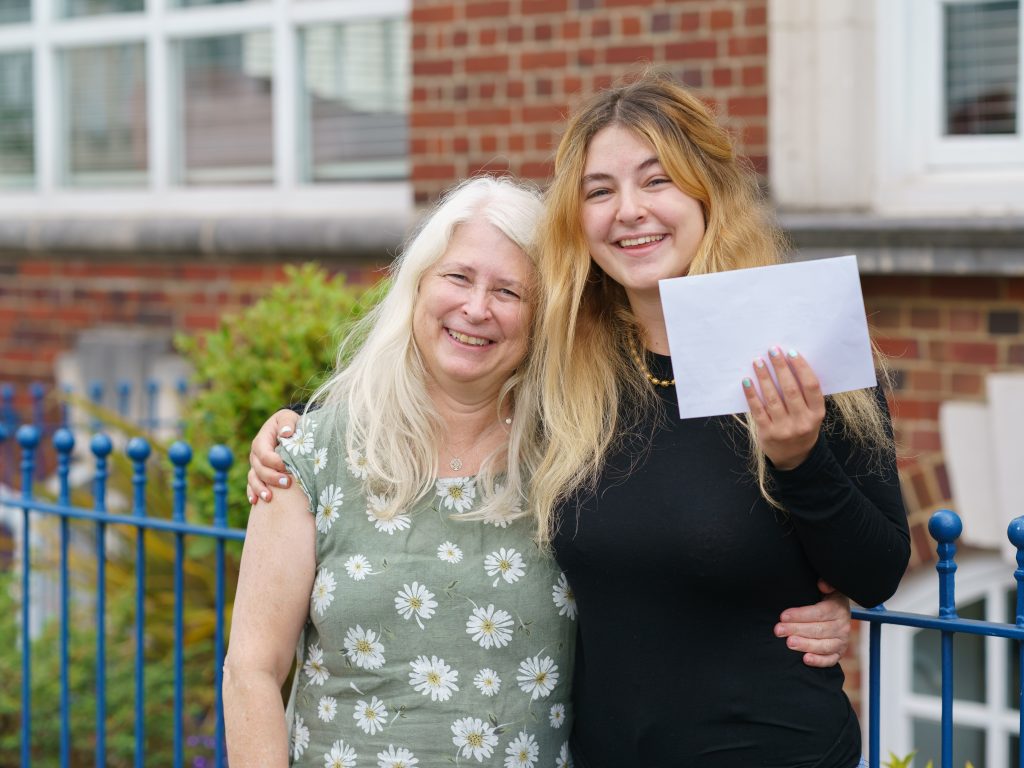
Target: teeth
644	240
474	340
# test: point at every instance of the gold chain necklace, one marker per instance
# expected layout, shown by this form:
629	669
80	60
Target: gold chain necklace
456	463
647	372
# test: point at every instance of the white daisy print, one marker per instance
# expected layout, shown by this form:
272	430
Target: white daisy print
503	519
357	464
433	676
314	666
474	738
319	460
323	591
557	715
396	758
301	443
415	600
363	649
538	676
327	509
487	681
564	598
504	564
564	758
300	738
371	717
340	756
522	751
456	492
358	567
449	553
378	504
490	627
327	708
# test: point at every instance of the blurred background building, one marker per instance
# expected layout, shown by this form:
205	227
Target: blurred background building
161	159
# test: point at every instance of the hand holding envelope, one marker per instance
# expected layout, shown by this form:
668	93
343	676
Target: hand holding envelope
719	323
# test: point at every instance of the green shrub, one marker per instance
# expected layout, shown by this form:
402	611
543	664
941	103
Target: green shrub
273	353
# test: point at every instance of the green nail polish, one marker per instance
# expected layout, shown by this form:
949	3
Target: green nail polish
792	353
747	383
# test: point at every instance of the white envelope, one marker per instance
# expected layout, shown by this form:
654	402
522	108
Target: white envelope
719	323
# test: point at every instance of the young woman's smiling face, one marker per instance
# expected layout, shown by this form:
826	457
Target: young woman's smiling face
640	227
472	316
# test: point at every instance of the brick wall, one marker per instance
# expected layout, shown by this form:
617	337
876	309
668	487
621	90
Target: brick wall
494	79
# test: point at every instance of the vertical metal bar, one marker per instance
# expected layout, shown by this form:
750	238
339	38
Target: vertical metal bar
28	439
124	395
138	451
182	394
37	392
7	399
1015	533
64	443
180	455
96	396
65	407
101	447
152	390
875	693
945	527
221	459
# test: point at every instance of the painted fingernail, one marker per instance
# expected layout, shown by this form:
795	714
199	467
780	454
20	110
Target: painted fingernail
747	383
252	499
265	495
791	353
283	482
286	430
774	351
758	362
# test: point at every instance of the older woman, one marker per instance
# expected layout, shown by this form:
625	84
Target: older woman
430	627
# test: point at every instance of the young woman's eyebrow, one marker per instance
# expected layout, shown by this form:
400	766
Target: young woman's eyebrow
592	177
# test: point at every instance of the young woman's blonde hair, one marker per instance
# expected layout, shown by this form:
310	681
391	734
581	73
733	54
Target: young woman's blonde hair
380	380
591	390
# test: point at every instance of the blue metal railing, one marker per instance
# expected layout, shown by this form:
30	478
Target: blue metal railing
944	526
138	451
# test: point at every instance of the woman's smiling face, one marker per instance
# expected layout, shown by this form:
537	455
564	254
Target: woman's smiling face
640	227
471	321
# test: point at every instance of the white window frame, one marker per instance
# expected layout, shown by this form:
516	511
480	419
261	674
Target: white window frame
160	26
978	575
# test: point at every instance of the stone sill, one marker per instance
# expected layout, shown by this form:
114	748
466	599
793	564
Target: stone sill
264	238
948	246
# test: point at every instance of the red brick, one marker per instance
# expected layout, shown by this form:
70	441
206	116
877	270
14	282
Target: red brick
721	77
631	26
571	85
488	36
977	352
964	288
492	8
432	15
753	76
460	144
756	45
550	114
902	286
571	30
600	27
915	409
441	67
925	318
925	440
742	106
689	22
700	49
489	143
1015	289
721	20
493	165
629	54
516	143
626	3
586	57
460	38
489	116
545	6
964	320
515	89
894	346
433	171
886	317
552	59
972	384
756	16
542	32
536	171
515	33
424	119
487	90
1015	354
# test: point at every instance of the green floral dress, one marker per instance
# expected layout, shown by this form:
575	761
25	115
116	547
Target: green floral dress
430	641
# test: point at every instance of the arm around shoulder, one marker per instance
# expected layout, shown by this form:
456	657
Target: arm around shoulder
271	606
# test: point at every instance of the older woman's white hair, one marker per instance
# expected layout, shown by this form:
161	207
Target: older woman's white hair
379	381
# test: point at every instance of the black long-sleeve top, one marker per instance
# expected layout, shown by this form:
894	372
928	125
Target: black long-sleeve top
681	569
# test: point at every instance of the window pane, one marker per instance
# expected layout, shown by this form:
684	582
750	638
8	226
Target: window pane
968	744
17	121
98	7
104	116
354	91
193	3
226	103
968	660
982	65
14	11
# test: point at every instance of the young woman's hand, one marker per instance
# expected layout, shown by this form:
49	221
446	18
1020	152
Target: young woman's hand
788	416
821	631
266	469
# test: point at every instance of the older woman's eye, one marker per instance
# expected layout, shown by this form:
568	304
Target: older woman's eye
510	293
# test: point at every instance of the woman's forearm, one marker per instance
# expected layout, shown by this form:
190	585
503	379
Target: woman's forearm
254	722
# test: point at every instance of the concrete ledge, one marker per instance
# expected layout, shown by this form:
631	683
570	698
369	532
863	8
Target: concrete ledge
950	246
261	238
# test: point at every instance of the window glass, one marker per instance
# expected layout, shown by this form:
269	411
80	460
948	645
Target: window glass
99	7
969	652
354	99
104	116
17	120
15	11
226	110
981	67
968	744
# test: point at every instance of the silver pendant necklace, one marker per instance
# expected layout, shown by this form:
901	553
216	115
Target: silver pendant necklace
455	465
